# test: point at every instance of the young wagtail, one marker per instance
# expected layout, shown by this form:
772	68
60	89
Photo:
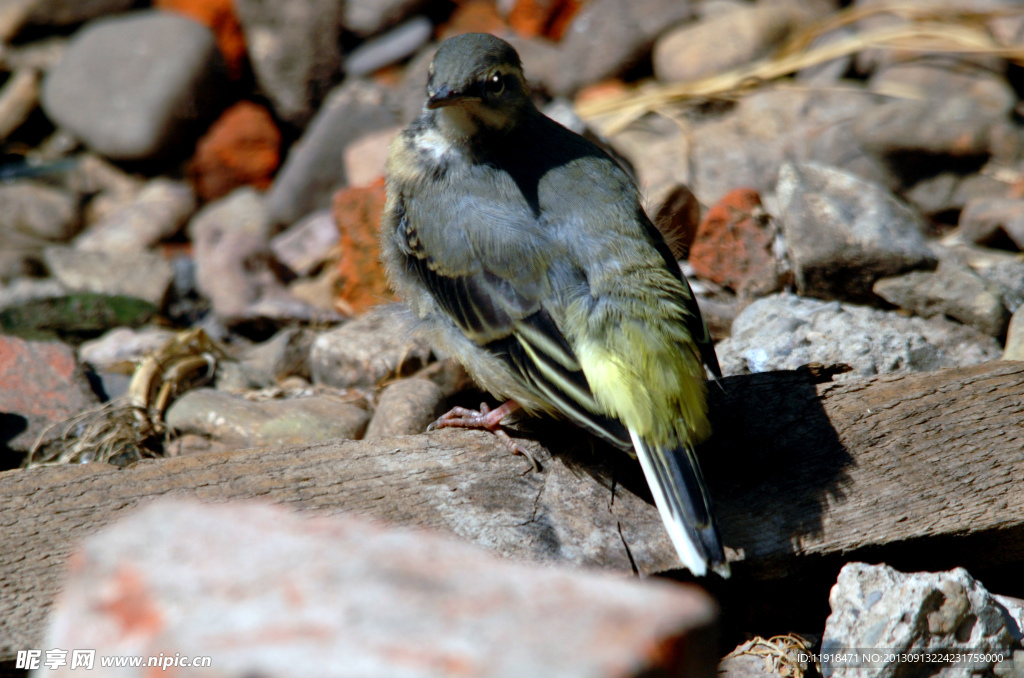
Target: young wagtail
525	252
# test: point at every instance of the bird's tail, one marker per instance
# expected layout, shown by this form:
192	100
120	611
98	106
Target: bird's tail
682	500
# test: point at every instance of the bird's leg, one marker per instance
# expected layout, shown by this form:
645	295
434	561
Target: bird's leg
487	419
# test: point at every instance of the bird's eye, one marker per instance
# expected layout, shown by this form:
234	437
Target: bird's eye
495	84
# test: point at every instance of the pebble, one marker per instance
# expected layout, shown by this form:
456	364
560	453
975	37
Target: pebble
308	243
43	384
922	137
842	233
314	169
267	591
366	156
143	275
406	408
295	52
157	212
38	210
918	612
238	422
935	80
747	145
399	43
232	258
1015	337
284	355
369	17
121	348
365	351
608	36
990	220
121	85
21	290
729	39
71	12
952	290
784	332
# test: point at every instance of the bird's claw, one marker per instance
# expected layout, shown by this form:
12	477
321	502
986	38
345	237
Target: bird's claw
489	420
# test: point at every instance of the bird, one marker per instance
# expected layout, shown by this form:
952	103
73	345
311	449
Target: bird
525	254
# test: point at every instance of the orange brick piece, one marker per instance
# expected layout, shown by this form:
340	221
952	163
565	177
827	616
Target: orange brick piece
733	246
242	148
264	591
361	281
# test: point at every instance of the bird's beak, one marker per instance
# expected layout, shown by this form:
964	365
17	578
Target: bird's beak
445	96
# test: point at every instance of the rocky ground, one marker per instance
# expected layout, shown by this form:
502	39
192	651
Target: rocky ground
189	195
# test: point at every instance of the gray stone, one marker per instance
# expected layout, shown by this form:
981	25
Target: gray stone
156	213
294	49
93	174
38	210
366	157
263	590
784	332
232	258
143	275
306	244
239	422
874	606
120	349
1015	337
934	195
406	407
1007	274
137	87
608	36
987	220
717	44
367	350
935	79
284	355
943	131
70	12
397	44
747	146
23	290
314	169
952	290
369	17
238	378
843	233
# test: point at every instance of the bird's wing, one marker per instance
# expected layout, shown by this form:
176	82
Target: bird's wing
486	269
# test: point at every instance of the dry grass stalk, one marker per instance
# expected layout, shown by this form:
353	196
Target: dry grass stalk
925	34
778	653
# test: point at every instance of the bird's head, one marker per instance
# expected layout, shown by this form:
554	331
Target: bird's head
476	80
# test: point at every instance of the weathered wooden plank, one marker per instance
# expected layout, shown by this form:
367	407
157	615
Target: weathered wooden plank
797	471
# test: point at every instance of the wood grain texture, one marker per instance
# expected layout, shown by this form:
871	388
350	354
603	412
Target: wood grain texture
797	471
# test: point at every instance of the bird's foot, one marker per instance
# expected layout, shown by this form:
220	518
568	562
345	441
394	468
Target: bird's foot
489	420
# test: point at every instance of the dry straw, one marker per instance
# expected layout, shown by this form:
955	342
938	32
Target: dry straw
939	28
